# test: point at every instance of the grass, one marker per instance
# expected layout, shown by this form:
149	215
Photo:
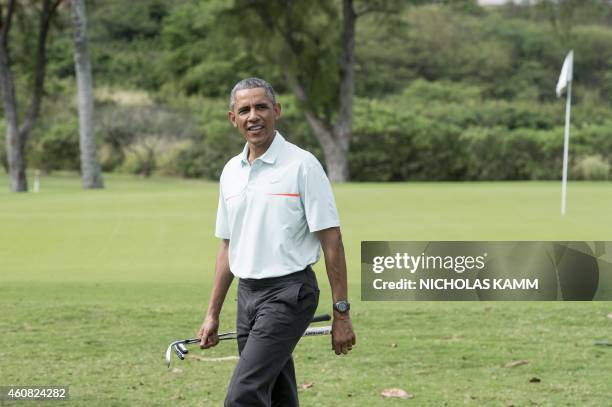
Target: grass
94	284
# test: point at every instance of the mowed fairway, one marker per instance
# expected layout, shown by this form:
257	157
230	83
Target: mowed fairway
95	284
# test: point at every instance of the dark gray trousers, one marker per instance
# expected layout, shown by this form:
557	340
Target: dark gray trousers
273	313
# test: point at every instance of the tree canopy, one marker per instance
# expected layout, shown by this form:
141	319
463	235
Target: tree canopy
437	84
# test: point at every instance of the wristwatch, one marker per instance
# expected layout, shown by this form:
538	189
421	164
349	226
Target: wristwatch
342	306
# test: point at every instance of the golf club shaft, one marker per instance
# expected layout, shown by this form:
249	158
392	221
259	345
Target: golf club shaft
232	335
318	330
321	318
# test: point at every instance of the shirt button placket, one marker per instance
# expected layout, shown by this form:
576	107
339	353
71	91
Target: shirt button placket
251	177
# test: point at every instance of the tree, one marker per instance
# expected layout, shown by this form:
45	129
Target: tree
335	138
564	15
317	61
302	38
90	168
16	135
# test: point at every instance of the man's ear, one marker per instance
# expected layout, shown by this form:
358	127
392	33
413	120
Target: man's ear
231	116
277	110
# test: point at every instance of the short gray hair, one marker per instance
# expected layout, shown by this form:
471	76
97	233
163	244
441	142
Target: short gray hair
252	83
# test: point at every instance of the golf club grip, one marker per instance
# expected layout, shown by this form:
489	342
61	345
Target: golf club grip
321	318
318	330
222	337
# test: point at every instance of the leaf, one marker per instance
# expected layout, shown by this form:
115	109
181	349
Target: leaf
177	370
307	385
535	380
516	363
396	393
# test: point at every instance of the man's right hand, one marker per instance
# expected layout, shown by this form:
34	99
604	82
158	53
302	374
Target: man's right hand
209	333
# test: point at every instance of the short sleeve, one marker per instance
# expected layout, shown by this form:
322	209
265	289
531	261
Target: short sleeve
222	230
318	199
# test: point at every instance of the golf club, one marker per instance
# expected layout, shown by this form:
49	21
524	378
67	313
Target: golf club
181	350
178	353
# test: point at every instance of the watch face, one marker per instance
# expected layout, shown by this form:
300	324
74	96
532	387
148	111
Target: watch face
342	306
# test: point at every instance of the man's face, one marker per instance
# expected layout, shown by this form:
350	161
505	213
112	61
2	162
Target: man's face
255	116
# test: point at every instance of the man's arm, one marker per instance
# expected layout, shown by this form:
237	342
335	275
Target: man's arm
343	337
209	332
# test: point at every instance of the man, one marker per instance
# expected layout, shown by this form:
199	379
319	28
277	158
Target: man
276	210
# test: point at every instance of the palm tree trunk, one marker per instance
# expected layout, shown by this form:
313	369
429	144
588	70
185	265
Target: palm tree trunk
90	168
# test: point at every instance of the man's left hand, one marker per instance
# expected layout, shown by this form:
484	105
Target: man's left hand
343	337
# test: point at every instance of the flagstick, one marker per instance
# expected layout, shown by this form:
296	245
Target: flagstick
566	146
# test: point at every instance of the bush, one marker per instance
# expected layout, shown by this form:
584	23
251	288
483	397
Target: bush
136	136
191	162
57	147
591	168
139	161
110	157
422	91
391	143
206	158
500	154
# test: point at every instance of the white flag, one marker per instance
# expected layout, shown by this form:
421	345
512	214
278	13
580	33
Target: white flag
566	73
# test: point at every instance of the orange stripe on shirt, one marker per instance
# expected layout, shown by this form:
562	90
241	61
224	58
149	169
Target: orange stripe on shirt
230	197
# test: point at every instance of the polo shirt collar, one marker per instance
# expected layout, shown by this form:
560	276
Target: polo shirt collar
269	157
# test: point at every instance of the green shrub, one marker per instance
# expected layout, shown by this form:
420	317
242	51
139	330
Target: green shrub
205	156
591	168
191	162
500	154
57	147
136	136
422	91
138	161
110	158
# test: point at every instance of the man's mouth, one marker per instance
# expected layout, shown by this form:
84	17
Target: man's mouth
255	128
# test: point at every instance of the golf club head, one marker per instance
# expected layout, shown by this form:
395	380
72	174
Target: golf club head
168	355
178	352
182	348
174	346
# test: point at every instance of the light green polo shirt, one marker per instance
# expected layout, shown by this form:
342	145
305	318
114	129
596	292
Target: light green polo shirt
270	210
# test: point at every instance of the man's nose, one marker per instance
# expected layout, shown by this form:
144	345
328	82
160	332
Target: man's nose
252	115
